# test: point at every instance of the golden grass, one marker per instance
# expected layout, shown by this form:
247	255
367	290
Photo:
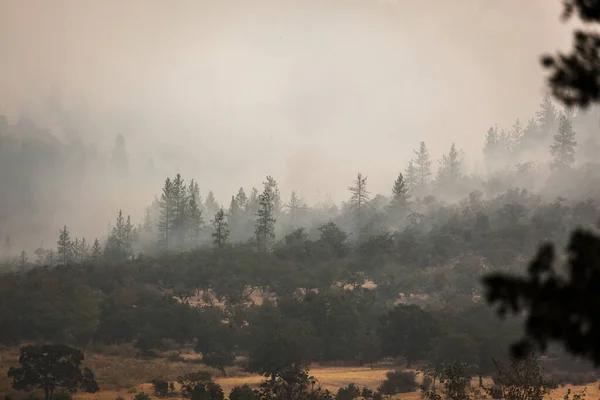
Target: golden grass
124	375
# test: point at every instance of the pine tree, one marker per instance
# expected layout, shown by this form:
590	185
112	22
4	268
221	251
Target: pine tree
272	184
411	178
242	199
546	117
221	230
563	148
253	201
119	241
450	166
83	250
195	222
96	250
359	199
422	164
295	206
516	136
211	204
400	194
194	191
234	208
167	210
491	146
264	229
75	250
64	250
180	195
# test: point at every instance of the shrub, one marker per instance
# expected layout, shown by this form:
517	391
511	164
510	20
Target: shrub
349	392
243	393
398	382
141	396
161	387
189	382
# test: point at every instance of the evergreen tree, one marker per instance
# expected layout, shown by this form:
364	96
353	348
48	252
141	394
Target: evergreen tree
491	146
167	211
422	164
411	178
195	221
179	210
234	208
563	148
450	166
241	199
64	250
516	136
295	206
546	117
75	251
221	229
194	191
119	242
264	229
83	250
253	201
96	250
272	184
400	195
211	204
359	199
504	145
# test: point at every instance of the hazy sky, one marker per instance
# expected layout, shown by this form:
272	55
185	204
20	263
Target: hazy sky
308	91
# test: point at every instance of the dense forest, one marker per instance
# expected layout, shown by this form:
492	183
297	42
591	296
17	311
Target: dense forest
283	283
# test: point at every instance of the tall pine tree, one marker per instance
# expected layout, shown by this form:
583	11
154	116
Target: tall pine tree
563	148
64	249
264	228
167	206
400	195
411	178
295	206
450	167
359	198
422	164
546	118
220	229
195	221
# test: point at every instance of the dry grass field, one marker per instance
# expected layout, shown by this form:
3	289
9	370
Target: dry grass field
121	374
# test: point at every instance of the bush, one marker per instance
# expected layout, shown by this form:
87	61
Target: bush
208	391
243	393
141	396
190	381
161	387
398	382
349	392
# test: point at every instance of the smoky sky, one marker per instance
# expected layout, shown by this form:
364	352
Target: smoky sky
311	92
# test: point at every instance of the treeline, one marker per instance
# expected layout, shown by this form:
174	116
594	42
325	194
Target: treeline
151	303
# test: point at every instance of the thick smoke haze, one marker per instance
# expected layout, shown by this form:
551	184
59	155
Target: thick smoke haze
310	92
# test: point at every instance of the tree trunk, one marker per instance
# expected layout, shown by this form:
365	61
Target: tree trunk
480	381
